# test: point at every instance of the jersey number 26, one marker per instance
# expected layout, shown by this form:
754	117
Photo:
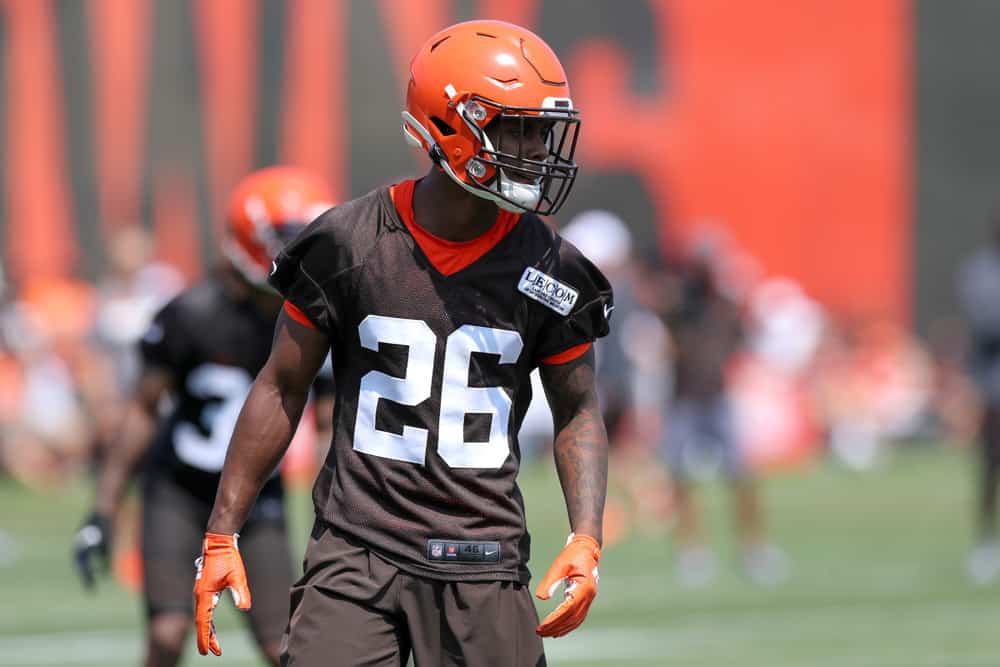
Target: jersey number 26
457	397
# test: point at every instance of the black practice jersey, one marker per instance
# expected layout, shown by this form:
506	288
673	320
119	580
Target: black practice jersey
432	379
213	345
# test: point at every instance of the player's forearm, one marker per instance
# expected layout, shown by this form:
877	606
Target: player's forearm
262	434
581	442
581	453
123	457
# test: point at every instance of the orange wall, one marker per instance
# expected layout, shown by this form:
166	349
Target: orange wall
788	123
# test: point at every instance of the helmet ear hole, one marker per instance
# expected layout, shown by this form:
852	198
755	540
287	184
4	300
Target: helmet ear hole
442	127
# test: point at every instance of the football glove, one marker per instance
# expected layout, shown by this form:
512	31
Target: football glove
576	567
219	567
92	542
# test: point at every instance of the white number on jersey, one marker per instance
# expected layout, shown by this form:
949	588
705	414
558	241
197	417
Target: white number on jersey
457	397
224	388
415	388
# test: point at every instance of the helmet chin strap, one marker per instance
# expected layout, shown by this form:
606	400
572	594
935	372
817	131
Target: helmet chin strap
522	196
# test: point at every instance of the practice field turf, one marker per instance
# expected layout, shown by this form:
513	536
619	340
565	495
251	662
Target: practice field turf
877	580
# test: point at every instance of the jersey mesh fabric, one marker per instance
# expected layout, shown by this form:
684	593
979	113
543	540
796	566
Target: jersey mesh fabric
358	270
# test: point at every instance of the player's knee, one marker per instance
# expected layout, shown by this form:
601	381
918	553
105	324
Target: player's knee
167	633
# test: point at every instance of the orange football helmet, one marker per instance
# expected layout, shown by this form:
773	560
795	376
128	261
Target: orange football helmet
473	73
267	209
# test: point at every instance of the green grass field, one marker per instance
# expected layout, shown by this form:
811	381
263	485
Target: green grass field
877	580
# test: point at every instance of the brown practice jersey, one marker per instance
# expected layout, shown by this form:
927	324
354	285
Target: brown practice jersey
431	362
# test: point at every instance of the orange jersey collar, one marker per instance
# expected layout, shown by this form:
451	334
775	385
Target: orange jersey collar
448	257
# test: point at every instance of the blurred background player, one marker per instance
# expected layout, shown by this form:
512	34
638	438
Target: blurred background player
630	372
203	350
706	329
604	239
979	298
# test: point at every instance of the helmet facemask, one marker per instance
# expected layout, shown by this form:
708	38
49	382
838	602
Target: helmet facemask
504	174
514	180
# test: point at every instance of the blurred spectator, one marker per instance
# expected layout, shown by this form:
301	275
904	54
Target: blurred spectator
67	355
605	240
786	325
631	363
134	288
707	332
979	298
873	383
774	414
46	433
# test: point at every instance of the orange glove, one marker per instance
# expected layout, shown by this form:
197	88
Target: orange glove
576	566
218	568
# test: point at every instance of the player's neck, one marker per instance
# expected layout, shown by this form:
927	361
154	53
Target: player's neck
447	211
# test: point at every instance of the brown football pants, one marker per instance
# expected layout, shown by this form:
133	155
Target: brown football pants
353	609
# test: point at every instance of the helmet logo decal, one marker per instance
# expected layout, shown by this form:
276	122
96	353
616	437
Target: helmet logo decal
508	85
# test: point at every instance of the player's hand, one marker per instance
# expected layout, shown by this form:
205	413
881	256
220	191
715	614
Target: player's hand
92	543
576	566
219	567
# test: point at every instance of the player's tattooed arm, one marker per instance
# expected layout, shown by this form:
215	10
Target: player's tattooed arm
581	442
267	421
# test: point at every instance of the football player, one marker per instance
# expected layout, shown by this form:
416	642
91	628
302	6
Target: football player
203	349
979	298
438	297
700	438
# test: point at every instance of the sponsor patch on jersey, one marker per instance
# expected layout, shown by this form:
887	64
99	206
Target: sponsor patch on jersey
458	551
547	291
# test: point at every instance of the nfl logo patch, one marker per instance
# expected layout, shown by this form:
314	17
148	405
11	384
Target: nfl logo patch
435	551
